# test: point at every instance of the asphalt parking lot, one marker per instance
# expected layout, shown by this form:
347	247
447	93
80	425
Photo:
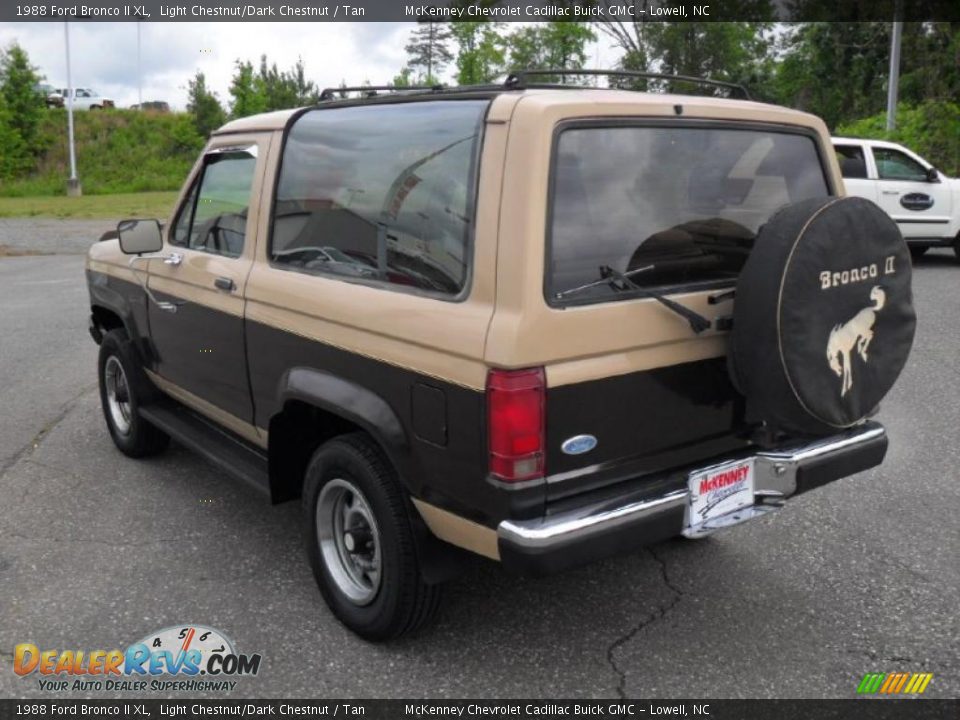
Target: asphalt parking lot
97	551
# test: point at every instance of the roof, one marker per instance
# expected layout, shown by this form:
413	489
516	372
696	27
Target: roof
551	96
878	143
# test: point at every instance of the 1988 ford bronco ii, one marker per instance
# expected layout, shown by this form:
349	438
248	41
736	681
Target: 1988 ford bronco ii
543	324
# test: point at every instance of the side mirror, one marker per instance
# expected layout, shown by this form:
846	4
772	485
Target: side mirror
933	175
140	236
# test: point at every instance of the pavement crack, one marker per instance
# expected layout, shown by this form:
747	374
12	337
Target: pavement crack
37	439
659	614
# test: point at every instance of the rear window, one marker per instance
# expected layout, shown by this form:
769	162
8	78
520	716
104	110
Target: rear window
380	193
671	206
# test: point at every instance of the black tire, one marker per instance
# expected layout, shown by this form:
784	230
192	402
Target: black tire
956	248
918	251
401	602
136	437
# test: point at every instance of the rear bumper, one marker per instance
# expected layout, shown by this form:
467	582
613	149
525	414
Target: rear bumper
656	509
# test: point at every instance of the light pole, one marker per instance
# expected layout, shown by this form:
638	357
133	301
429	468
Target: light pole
894	79
73	184
139	76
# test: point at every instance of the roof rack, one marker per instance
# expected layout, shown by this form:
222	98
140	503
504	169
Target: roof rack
518	79
370	91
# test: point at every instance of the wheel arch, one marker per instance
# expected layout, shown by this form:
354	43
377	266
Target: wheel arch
317	406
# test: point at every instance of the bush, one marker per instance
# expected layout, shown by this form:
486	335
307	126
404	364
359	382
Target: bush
117	151
930	129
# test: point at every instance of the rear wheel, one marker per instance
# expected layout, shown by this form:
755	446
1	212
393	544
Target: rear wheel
956	247
123	388
360	541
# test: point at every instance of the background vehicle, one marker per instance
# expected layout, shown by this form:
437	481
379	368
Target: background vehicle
51	96
923	201
86	99
502	328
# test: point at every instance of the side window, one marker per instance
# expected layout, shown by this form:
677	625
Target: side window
395	207
852	163
895	165
214	216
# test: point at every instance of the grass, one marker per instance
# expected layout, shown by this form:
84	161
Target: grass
123	205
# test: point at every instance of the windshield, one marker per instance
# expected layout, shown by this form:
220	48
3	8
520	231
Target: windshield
686	201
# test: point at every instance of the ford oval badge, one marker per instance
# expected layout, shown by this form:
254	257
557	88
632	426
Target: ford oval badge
579	444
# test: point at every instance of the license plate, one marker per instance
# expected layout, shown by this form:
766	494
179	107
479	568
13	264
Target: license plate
720	490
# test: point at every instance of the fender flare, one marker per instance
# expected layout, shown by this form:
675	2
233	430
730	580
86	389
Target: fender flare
107	298
352	402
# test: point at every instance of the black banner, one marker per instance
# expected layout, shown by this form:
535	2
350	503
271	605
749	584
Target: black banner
882	709
475	10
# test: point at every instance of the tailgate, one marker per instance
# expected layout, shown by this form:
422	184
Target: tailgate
642	422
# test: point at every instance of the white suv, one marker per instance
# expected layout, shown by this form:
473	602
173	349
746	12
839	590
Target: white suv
924	202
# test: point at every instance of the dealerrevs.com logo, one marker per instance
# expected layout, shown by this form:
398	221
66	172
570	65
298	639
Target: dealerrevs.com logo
183	657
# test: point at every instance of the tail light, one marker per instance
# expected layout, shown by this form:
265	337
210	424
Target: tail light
516	409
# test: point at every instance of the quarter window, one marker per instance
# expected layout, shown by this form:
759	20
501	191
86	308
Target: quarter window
380	193
895	165
214	216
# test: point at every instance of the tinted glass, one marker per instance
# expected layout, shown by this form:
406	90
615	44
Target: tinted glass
381	193
685	201
894	165
216	220
852	163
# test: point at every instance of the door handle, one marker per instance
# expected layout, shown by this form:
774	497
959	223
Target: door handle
891	192
173	259
224	283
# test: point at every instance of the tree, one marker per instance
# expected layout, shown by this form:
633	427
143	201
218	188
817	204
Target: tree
482	51
427	51
306	90
560	45
279	89
246	91
24	104
733	51
204	106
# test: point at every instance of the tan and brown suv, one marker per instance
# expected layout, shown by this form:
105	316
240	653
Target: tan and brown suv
541	324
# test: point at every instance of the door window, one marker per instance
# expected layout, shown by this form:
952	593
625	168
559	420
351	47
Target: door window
214	216
895	165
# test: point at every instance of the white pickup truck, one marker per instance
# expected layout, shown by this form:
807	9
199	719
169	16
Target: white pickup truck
83	99
924	202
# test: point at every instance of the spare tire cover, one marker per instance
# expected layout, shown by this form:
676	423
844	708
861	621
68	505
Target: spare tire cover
824	319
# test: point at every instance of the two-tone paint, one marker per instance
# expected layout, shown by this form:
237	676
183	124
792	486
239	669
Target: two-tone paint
282	359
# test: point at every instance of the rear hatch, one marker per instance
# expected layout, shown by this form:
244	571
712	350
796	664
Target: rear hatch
674	204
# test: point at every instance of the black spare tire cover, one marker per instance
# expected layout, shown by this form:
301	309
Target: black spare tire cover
824	319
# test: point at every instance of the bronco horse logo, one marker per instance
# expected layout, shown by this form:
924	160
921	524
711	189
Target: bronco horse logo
855	333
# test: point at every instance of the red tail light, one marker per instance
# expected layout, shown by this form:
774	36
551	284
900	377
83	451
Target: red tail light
516	409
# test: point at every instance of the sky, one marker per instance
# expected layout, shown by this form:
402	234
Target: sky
104	55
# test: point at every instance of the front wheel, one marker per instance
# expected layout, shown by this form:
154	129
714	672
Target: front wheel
918	251
360	541
123	388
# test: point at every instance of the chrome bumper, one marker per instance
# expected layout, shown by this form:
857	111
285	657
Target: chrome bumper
640	516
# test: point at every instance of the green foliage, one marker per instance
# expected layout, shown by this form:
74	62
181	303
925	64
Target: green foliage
931	129
481	53
203	106
117	151
427	51
559	45
269	88
21	109
248	95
